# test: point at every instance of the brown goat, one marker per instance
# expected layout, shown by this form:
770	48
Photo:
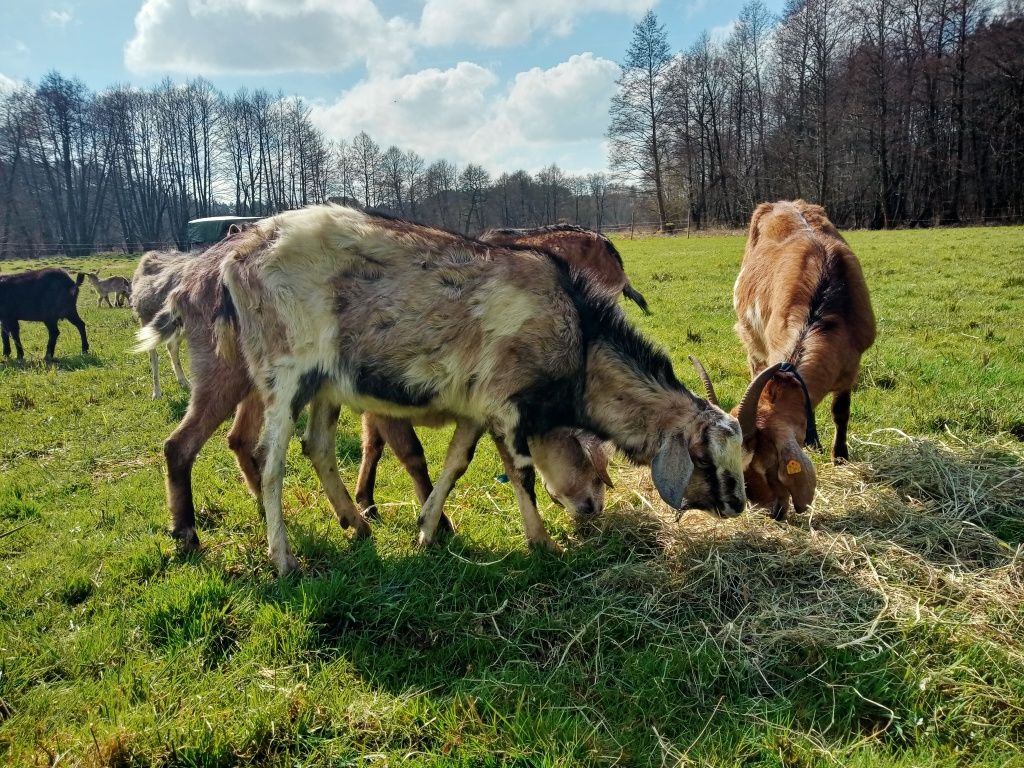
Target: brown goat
801	301
584	250
220	386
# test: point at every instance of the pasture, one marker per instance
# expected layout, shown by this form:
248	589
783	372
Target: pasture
885	627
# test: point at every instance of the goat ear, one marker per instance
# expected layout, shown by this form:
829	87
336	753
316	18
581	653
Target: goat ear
796	473
671	471
599	454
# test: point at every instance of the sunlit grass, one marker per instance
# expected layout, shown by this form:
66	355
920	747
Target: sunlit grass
882	628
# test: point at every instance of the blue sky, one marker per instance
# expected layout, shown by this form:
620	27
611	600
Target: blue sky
506	83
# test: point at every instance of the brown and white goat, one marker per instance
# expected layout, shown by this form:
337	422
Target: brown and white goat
340	307
802	304
220	386
117	285
583	249
159	273
595	256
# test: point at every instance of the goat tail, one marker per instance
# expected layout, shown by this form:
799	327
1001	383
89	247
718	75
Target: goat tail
80	279
225	326
636	297
164	326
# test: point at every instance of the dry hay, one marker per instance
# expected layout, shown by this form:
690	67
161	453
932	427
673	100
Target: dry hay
900	540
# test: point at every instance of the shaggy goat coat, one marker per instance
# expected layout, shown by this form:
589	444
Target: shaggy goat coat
405	320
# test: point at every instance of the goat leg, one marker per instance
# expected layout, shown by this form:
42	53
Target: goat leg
841	416
519	468
456	461
319	444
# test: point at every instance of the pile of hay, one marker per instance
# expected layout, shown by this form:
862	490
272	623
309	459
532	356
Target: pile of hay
908	537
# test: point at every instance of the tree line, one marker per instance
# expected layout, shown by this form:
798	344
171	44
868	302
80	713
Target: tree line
127	168
887	112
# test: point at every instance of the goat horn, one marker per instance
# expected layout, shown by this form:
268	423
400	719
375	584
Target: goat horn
709	388
746	414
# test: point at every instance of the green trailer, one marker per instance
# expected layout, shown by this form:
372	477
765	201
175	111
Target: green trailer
203	233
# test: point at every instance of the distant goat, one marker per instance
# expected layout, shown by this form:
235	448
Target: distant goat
220	386
802	304
335	306
158	273
44	296
583	249
119	286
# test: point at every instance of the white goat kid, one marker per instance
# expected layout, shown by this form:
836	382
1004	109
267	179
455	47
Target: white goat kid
342	307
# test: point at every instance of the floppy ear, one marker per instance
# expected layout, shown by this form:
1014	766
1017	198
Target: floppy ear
671	471
598	453
796	473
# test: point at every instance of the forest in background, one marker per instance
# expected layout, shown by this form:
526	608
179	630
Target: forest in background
891	113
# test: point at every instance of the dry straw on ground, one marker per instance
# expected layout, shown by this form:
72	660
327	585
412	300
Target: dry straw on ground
905	538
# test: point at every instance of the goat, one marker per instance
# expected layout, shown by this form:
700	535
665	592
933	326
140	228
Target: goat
41	295
220	385
335	306
801	301
158	273
119	286
583	249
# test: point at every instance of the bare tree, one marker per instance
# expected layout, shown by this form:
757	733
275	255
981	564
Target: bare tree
636	133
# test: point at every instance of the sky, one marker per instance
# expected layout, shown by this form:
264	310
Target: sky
505	83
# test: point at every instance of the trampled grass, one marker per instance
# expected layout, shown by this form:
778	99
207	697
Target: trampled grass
884	627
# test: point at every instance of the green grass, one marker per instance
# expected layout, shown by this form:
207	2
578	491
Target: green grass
883	628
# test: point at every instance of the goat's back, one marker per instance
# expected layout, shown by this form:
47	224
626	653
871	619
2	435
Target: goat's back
399	314
37	295
797	272
583	249
157	274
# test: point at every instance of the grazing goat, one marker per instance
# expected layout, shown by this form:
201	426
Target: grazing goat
220	386
802	303
336	306
119	286
583	249
41	295
158	273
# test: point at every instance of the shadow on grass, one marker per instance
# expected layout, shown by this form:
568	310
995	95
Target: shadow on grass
68	363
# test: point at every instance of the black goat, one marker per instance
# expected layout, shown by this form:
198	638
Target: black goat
43	296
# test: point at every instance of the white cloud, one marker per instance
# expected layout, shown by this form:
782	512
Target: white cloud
272	36
247	36
7	84
722	33
695	7
497	23
558	114
59	18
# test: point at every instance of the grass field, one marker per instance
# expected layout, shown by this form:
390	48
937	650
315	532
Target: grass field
885	627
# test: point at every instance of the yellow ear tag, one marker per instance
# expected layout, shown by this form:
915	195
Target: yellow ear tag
793	467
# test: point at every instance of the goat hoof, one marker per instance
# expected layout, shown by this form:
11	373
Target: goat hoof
362	528
370	511
445	524
285	565
187	538
546	544
424	541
